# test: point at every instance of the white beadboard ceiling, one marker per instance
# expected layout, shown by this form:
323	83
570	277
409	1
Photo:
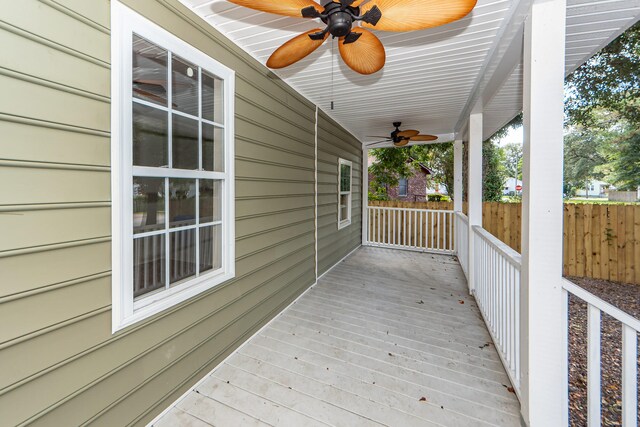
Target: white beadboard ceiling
433	77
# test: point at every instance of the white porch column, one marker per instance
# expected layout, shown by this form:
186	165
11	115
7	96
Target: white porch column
457	175
365	195
474	194
541	329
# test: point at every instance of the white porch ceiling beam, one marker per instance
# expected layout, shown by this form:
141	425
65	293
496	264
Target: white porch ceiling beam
542	350
505	56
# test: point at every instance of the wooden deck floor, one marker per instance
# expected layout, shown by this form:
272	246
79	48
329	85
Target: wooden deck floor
385	338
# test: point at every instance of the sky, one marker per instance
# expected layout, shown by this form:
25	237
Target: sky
514	135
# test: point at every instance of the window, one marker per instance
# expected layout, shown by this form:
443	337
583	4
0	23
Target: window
344	193
402	187
172	169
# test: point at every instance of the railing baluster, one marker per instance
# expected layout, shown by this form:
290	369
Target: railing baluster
421	219
404	228
431	231
629	377
593	370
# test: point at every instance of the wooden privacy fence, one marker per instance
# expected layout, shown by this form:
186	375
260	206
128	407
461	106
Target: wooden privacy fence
600	241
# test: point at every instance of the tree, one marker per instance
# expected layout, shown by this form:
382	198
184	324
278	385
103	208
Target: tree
583	158
625	164
513	160
608	81
390	164
439	159
493	171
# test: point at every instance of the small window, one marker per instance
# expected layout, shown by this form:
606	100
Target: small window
402	186
172	178
344	193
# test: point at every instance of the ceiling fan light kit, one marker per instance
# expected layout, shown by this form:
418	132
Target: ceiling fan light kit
360	49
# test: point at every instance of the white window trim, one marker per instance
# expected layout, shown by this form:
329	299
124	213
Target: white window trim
125	311
345	222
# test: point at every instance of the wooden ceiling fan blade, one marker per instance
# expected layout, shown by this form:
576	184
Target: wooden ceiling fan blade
386	141
279	7
411	15
295	49
401	143
423	138
366	55
408	133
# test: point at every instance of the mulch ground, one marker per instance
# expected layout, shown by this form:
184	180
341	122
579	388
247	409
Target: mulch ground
627	298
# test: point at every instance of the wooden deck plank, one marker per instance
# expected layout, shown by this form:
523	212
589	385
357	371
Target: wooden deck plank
284	394
258	406
361	348
178	417
406	348
410	389
216	413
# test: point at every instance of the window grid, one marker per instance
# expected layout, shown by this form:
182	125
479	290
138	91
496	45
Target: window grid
403	183
166	174
343	222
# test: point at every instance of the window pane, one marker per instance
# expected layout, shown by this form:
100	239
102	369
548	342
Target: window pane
210	248
345	178
210	201
148	204
212	98
184	78
148	264
185	143
149	77
150	136
212	148
344	207
182	255
182	202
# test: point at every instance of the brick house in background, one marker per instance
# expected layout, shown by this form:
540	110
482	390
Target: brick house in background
409	189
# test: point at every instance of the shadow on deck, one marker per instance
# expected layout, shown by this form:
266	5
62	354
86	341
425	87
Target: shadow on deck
385	338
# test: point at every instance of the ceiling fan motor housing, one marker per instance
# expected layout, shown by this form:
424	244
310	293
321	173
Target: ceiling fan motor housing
339	18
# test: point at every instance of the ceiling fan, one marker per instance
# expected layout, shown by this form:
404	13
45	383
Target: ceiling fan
400	138
360	49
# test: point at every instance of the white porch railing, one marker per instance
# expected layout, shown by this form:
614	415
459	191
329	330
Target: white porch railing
497	292
461	243
412	229
630	328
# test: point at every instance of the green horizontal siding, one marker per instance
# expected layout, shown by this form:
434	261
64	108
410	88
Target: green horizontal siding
335	143
61	364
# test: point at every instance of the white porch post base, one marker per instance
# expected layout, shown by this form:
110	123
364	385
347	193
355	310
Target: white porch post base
541	334
474	195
